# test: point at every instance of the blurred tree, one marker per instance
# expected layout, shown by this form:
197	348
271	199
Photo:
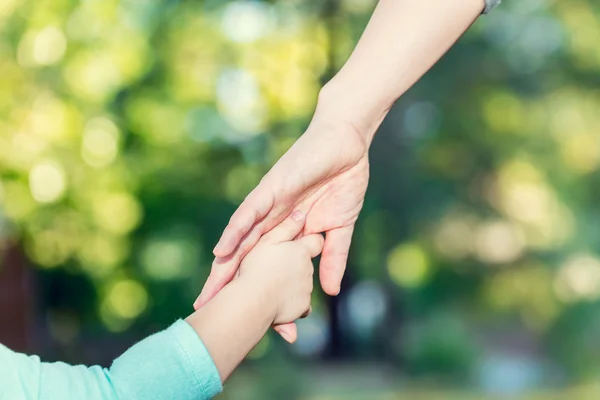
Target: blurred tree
130	130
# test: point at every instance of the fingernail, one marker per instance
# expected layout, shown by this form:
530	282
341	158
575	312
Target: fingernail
286	336
199	299
283	329
283	334
217	247
297	215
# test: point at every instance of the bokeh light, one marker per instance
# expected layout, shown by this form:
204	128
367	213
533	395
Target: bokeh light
454	237
170	257
579	279
313	335
365	309
245	22
100	143
124	301
117	212
47	181
499	242
130	130
409	265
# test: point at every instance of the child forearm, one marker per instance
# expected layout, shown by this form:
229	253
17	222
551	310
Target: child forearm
233	323
191	358
171	364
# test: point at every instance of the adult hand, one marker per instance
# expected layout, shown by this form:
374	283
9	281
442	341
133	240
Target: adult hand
325	175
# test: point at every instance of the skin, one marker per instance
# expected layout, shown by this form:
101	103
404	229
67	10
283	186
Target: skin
326	172
274	287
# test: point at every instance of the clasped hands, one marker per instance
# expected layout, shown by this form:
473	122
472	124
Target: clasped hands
321	181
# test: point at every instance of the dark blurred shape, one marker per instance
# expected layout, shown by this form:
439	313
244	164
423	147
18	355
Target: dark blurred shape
16	299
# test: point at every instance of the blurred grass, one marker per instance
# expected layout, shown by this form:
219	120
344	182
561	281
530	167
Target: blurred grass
425	395
358	381
581	393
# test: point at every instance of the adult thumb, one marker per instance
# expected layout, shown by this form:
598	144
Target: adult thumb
288	229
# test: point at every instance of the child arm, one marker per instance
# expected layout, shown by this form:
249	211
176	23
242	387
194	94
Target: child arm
274	286
170	364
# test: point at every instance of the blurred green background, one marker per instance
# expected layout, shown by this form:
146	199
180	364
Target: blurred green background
130	130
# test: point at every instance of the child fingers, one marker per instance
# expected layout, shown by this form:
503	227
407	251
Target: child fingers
289	332
288	229
307	312
313	244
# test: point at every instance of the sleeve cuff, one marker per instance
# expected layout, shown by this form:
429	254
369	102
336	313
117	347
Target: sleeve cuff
197	357
490	5
172	364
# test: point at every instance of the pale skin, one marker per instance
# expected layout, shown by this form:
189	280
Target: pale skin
274	287
326	172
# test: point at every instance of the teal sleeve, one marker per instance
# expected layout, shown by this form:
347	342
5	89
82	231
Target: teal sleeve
172	364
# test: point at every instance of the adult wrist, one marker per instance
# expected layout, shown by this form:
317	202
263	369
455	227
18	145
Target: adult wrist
346	111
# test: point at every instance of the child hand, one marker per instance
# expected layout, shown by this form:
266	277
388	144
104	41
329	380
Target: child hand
282	269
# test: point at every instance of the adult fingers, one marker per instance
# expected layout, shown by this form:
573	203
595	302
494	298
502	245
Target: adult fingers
224	269
288	229
334	258
254	208
214	284
313	244
289	332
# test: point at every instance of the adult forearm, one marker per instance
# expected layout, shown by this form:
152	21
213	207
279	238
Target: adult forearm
403	39
232	323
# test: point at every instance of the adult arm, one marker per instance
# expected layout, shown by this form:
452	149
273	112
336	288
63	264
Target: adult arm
402	41
326	171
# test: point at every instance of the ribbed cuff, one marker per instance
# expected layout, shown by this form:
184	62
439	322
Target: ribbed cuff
198	359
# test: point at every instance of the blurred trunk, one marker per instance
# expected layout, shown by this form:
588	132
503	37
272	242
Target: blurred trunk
330	12
336	348
15	300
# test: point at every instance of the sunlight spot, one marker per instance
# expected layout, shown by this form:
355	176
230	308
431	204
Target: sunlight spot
118	213
579	279
49	46
123	302
499	242
100	142
408	265
245	22
454	237
47	182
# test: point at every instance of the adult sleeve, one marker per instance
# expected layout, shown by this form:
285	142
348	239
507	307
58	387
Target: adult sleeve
490	4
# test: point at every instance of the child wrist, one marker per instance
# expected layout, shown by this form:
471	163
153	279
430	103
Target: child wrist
264	294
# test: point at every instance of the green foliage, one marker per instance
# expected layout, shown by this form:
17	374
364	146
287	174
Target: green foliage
130	130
